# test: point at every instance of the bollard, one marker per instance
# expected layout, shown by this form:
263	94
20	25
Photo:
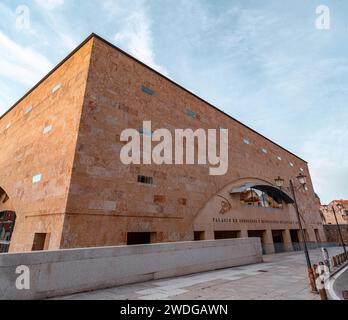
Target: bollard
334	262
323	294
311	276
320	284
327	263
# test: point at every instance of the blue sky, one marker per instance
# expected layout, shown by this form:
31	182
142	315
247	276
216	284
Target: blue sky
263	62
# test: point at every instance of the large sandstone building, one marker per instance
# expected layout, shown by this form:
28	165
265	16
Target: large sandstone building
60	168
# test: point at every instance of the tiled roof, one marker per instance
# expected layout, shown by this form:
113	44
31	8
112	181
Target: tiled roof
341	201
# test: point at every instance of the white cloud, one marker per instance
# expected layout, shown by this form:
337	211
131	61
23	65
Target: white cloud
136	38
20	64
50	4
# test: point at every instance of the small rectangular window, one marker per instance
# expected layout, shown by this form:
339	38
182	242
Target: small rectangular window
47	129
148	91
37	178
264	150
246	141
56	88
41	241
145	179
279	158
27	110
191	114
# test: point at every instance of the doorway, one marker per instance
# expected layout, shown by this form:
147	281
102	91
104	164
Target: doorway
220	235
199	235
258	234
41	241
136	238
278	241
296	244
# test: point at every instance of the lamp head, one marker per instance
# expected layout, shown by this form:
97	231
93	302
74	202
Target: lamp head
302	179
279	182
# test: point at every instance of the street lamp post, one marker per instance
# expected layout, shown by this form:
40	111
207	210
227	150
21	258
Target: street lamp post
302	180
338	226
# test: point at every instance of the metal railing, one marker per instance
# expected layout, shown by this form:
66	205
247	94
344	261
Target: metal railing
280	247
312	245
297	246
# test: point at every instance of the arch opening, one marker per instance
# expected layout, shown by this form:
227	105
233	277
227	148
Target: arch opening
7	221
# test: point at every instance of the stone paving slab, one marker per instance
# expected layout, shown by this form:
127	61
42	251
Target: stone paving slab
281	277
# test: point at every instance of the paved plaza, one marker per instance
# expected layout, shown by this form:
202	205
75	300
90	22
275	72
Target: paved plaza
281	277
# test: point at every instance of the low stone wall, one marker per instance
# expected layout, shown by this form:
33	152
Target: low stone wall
338	283
55	273
332	234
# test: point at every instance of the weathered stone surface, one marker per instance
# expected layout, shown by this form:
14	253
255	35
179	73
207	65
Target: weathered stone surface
332	233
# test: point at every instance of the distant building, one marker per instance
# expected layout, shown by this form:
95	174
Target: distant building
7	222
341	209
60	167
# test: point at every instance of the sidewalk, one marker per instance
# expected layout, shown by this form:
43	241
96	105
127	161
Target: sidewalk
281	277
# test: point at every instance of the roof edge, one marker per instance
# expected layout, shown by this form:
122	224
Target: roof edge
94	35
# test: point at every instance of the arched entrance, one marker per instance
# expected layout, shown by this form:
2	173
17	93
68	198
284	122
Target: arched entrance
7	221
248	207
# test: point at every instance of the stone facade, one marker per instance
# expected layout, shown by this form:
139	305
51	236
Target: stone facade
341	209
86	197
332	233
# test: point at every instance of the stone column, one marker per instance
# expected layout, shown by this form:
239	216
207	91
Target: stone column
209	235
312	239
243	234
268	242
322	235
287	240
